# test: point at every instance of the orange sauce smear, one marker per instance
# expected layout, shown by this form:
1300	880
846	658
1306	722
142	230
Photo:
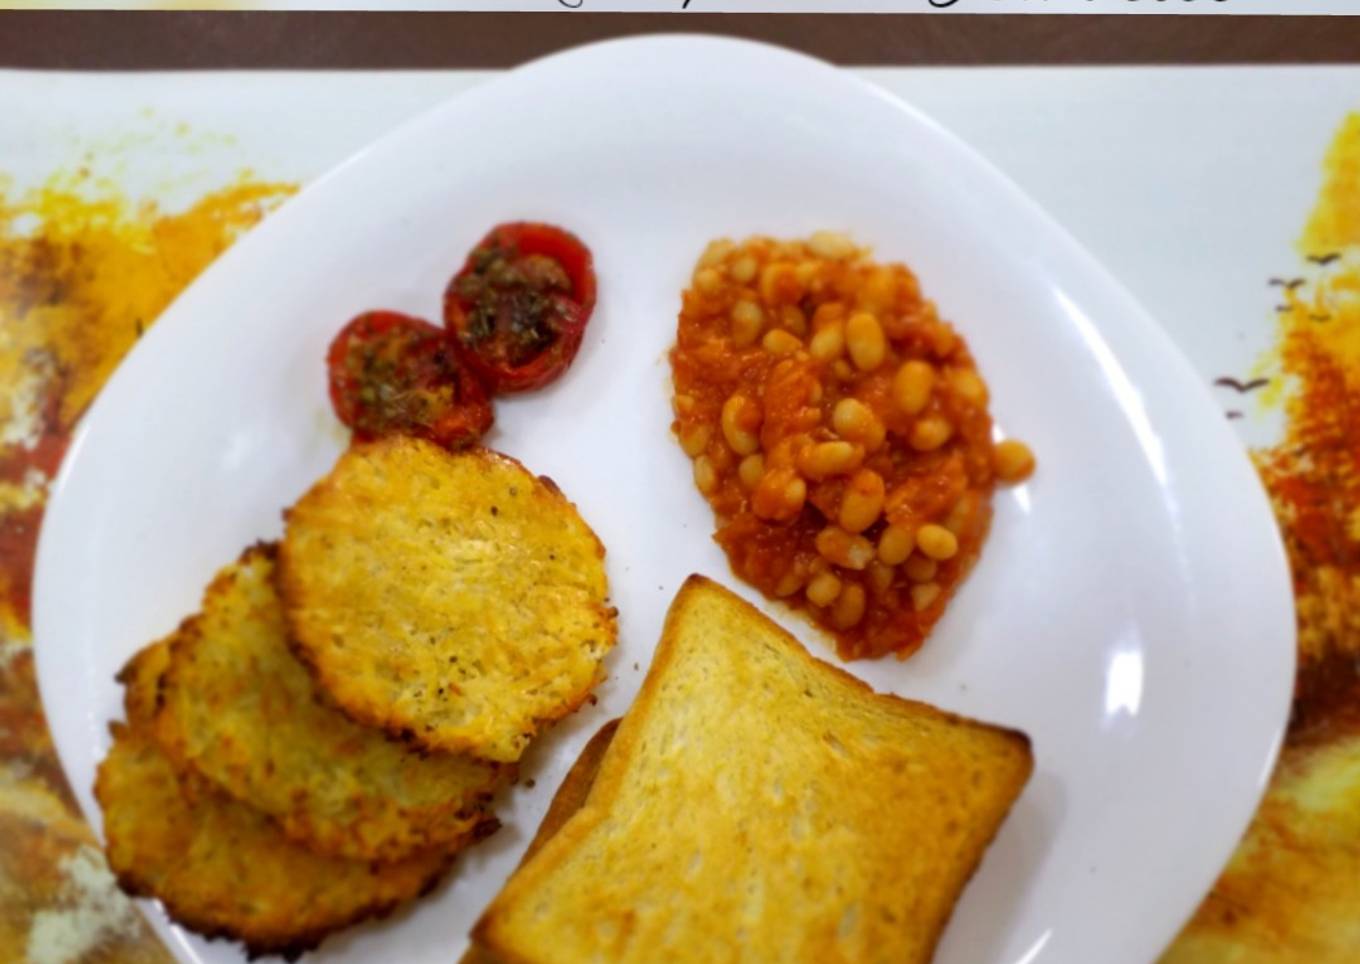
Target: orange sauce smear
840	431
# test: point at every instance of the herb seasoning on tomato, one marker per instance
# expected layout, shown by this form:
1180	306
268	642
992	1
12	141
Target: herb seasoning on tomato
517	310
393	374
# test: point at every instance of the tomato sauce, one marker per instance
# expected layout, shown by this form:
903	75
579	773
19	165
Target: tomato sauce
840	431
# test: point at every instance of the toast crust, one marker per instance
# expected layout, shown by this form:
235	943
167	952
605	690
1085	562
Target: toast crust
510	931
568	799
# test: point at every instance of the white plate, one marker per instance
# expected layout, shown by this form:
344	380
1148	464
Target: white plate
1131	610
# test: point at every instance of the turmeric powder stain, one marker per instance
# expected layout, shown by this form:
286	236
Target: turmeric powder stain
81	279
1335	222
1313	475
1292	890
85	286
83	274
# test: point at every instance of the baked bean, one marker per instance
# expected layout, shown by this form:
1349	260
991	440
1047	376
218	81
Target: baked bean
705	476
828	313
854	421
968	386
694	439
879	291
789	583
1013	461
912	386
878	435
708	281
930	432
751	469
779	284
828	342
777	341
880	577
845	550
943	342
961	514
748	320
823	589
831	245
825	459
865	341
779	495
743	269
716	253
923	594
849	609
937	542
740	422
863	501
895	544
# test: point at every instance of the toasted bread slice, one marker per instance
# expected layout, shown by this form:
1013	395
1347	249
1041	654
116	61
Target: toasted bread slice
238	708
758	804
453	599
569	798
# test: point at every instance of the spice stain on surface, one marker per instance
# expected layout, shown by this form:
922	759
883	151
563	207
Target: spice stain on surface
84	273
1292	890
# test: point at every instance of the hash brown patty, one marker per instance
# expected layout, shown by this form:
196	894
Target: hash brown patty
453	599
219	867
238	708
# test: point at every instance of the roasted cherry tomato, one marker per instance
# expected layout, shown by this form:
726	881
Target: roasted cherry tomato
393	374
518	308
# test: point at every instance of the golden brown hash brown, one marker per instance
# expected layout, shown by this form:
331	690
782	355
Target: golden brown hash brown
141	678
238	708
225	870
451	598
